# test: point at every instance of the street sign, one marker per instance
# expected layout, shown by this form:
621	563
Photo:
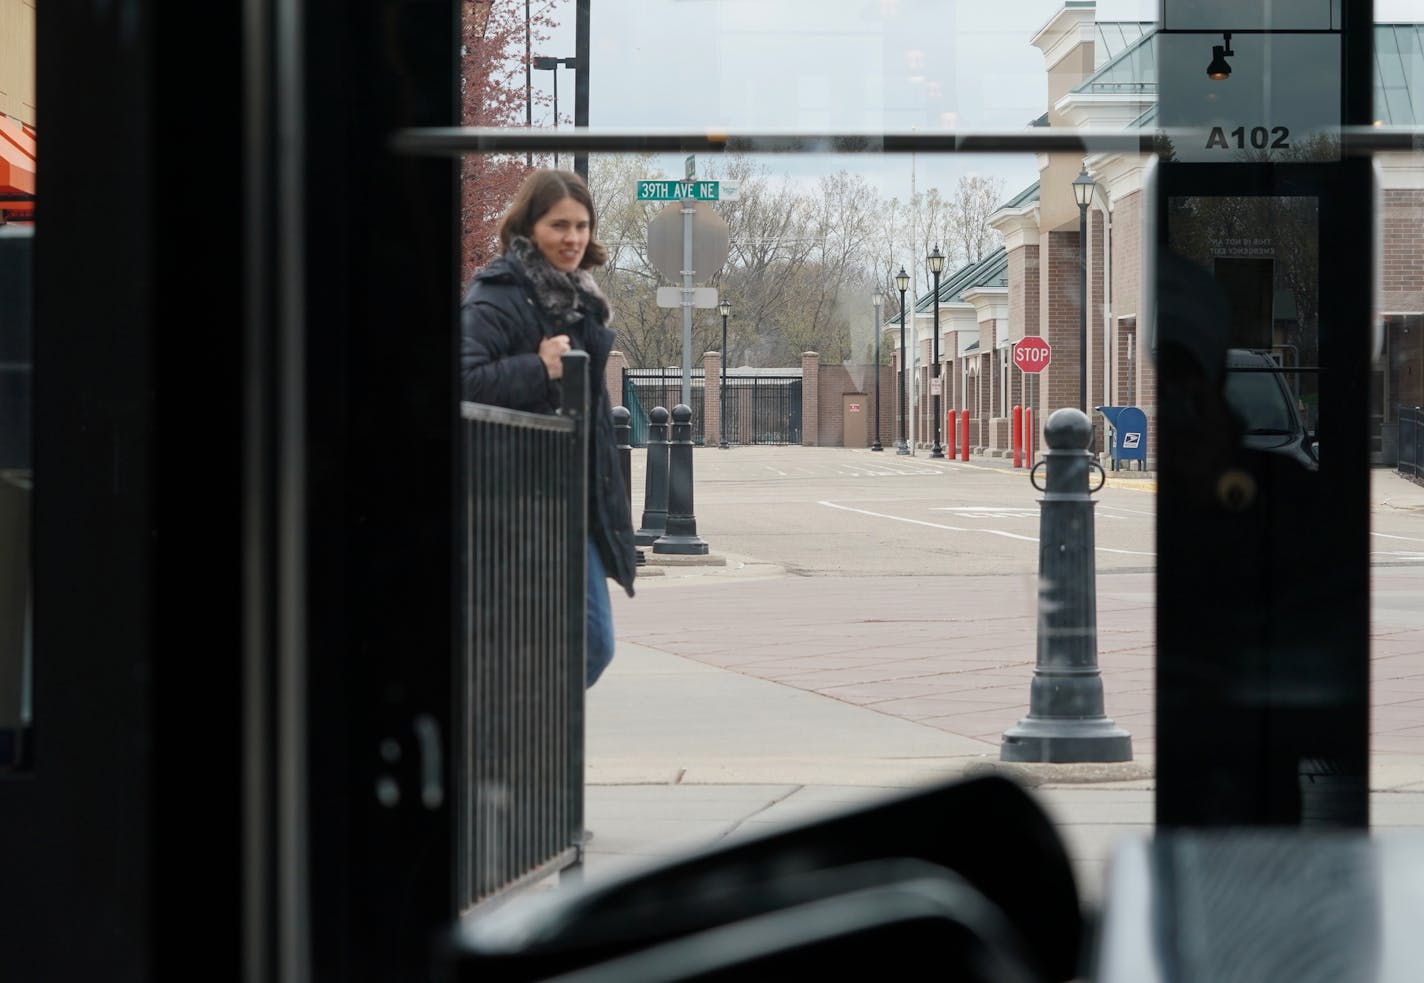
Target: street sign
1032	354
705	297
689	166
710	242
696	190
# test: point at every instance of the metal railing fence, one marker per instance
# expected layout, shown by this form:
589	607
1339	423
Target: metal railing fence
763	409
644	389
1410	441
521	679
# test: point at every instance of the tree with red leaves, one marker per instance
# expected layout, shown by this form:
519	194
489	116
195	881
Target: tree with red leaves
495	42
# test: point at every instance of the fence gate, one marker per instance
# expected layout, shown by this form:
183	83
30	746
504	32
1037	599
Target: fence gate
764	409
645	388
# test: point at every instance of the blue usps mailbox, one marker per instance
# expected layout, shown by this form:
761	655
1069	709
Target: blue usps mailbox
1128	427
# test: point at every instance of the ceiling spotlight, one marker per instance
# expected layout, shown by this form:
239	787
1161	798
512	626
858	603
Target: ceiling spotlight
1220	68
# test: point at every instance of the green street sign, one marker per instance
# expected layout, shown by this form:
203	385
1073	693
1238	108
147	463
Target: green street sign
678	190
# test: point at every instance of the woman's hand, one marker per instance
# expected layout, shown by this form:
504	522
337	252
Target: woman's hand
551	351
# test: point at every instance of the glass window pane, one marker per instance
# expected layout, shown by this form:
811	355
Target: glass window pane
17	215
810	235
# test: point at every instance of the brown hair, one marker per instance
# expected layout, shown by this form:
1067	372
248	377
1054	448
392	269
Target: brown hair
541	191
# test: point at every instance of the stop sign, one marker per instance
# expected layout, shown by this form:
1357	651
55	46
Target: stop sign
1032	354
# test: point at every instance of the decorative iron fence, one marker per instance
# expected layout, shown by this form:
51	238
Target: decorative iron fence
1410	441
521	712
645	388
763	409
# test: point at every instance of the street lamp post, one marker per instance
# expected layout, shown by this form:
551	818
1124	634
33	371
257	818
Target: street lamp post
725	309
902	283
876	301
1083	193
528	82
550	64
936	260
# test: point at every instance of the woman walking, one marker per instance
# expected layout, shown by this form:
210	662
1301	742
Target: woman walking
522	312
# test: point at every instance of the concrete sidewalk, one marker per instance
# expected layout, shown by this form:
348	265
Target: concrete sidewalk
766	698
682	755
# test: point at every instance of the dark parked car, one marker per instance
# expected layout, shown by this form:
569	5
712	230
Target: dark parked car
1270	420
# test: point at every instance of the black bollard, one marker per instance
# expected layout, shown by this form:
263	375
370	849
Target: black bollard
681	536
655	482
622	434
1065	719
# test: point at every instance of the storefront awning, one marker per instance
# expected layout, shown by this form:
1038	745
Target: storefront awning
17	170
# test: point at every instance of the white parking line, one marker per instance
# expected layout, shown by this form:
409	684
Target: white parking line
1403	539
991	532
1399	554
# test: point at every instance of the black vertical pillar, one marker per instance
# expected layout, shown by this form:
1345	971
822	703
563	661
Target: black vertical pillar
681	534
137	532
581	29
1066	720
655	480
1263	577
380	490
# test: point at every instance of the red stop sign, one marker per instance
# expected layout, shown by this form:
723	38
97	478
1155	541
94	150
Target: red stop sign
1032	354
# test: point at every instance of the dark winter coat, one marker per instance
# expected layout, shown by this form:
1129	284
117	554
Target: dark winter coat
502	325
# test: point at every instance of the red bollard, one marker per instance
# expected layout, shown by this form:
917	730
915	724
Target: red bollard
950	435
1017	436
964	441
1028	436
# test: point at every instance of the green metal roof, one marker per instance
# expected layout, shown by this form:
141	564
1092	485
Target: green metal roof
1027	196
1112	38
991	271
1399	73
1132	69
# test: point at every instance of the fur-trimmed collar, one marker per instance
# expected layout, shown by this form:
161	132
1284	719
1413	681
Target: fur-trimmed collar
564	296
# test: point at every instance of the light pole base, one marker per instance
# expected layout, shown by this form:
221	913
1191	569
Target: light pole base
876	446
900	448
1065	739
722	445
937	451
681	545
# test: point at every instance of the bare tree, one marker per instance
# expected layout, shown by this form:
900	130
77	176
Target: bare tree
648	334
975	198
492	44
800	266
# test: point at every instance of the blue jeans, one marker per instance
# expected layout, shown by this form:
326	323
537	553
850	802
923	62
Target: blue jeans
600	618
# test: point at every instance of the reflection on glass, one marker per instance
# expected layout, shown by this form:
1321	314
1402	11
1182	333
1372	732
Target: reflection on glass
1263	255
15	484
17	216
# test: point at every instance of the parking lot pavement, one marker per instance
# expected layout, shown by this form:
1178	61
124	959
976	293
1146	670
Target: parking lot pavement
750	690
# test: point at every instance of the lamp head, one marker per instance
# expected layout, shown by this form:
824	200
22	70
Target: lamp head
936	260
902	280
1083	188
876	300
1220	68
724	308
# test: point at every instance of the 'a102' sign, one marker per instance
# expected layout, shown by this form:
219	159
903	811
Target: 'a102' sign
1032	354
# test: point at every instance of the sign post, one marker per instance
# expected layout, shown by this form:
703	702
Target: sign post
1031	355
685	238
688	293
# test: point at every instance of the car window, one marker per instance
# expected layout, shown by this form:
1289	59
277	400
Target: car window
1260	401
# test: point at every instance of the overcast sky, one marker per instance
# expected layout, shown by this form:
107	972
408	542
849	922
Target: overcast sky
813	65
816	65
